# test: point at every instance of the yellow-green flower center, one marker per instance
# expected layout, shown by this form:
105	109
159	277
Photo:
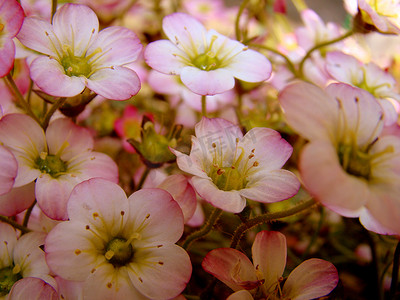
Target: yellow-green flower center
354	161
8	276
75	66
50	164
228	178
119	252
206	61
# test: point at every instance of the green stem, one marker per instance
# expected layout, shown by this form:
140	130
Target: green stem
203	231
268	217
203	106
20	98
324	44
289	63
14	224
395	273
143	178
237	20
28	214
52	110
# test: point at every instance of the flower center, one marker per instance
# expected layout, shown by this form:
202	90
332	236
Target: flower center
228	178
8	276
75	66
50	164
119	252
206	61
354	161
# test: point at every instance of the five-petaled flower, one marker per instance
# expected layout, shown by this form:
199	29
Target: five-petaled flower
206	61
76	55
122	248
229	167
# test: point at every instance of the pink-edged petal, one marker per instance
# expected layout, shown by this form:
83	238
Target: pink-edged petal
94	164
163	56
50	77
8	240
370	223
325	179
313	278
185	31
38	35
198	217
309	111
182	192
270	150
230	201
160	273
271	186
108	282
17	200
98	202
269	256
232	267
116	83
119	46
189	164
213	129
7	54
83	26
165	84
207	82
75	259
52	194
12	16
250	66
67	139
32	288
8	170
389	112
241	295
360	109
159	212
344	68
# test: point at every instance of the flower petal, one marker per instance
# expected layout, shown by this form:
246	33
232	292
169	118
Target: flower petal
273	186
8	240
12	16
119	46
50	77
185	31
163	56
310	111
7	54
116	83
190	164
232	267
241	295
75	25
313	278
38	35
8	170
230	201
160	273
32	288
156	216
17	200
325	179
269	256
101	204
207	82
67	139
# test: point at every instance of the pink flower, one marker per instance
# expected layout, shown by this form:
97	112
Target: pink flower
229	167
11	18
121	248
206	61
347	165
311	279
58	159
76	55
32	288
383	14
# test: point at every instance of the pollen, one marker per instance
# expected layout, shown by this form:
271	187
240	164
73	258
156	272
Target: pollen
77	251
95	215
109	285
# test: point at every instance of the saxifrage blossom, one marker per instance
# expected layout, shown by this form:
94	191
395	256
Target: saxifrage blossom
229	167
76	55
262	279
58	159
347	165
11	18
121	248
206	61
